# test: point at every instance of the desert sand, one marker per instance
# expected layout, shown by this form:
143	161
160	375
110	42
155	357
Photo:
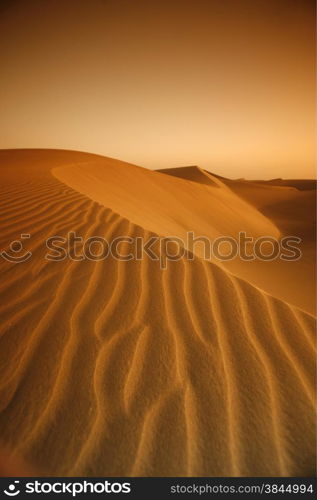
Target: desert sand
116	368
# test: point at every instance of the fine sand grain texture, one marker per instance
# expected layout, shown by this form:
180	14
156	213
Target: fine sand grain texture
120	368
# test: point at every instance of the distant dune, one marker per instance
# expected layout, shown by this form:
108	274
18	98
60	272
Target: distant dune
194	174
117	368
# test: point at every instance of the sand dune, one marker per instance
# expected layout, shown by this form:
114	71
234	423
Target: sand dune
290	206
164	204
116	368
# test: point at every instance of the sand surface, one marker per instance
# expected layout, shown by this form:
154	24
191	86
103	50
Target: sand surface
117	368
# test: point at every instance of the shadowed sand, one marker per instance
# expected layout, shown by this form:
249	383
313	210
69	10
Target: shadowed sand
116	368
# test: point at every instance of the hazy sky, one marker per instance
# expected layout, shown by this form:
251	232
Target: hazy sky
224	84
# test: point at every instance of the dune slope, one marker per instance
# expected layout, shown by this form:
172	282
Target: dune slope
116	368
291	206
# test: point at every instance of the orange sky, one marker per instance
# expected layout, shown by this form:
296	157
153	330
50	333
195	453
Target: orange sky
224	84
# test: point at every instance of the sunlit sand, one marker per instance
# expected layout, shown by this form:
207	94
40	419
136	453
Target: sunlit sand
116	368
